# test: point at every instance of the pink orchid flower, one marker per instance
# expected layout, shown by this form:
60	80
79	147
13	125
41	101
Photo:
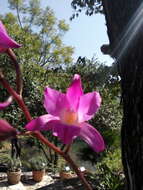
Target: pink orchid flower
6	130
68	113
5	40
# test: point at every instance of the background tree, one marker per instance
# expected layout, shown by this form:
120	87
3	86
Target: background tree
40	33
124	27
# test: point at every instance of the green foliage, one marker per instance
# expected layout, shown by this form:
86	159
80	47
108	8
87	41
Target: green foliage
106	179
39	32
4	159
14	164
113	160
90	6
92	71
109	179
14	3
37	163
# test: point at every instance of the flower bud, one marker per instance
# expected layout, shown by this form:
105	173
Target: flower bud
6	130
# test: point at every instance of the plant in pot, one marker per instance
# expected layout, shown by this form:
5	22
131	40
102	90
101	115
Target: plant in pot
14	171
66	173
38	168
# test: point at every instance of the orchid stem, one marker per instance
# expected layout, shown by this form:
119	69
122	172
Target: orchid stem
19	81
39	136
67	149
16	96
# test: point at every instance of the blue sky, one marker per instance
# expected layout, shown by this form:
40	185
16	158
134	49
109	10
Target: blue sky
86	34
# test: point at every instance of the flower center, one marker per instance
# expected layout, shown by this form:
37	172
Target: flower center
69	117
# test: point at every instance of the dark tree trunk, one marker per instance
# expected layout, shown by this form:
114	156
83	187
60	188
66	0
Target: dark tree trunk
128	51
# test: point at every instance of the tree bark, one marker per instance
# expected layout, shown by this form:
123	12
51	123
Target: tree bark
127	47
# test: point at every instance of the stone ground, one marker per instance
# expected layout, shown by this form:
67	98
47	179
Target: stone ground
48	183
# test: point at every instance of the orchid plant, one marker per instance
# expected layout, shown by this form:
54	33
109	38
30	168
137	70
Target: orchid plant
67	113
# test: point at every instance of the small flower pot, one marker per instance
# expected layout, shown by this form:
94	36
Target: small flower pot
38	175
14	177
66	175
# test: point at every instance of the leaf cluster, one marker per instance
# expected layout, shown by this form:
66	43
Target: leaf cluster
89	6
37	163
14	164
40	33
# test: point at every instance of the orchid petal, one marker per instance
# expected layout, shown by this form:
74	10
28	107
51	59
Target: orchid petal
91	136
6	130
54	101
66	133
5	40
6	103
74	92
88	106
40	123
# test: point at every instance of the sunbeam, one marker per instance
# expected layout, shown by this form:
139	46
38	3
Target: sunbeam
130	32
